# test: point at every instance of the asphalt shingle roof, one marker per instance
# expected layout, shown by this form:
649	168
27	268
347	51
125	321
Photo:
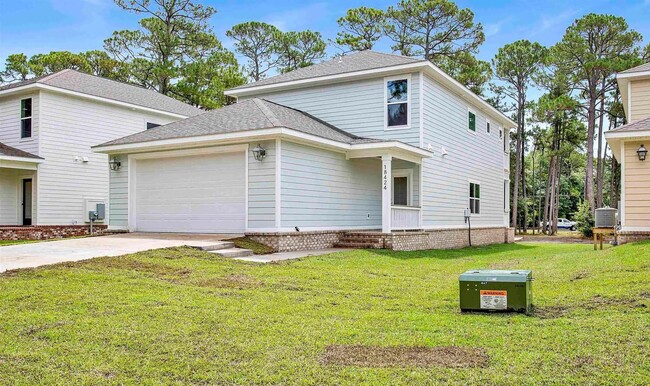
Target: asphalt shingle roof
9	151
643	67
364	60
640	125
107	88
251	114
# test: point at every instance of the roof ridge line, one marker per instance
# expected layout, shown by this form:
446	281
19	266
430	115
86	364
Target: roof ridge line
267	112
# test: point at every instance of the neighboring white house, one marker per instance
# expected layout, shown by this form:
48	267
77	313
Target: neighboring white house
630	144
48	173
369	141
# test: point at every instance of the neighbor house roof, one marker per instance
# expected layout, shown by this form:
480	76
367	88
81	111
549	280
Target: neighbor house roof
360	61
640	125
641	68
251	114
8	151
96	86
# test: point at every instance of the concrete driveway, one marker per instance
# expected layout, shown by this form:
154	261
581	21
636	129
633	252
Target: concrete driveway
52	252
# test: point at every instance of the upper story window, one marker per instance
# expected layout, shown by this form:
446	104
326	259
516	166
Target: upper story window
474	198
151	125
487	126
506	144
397	102
471	120
26	118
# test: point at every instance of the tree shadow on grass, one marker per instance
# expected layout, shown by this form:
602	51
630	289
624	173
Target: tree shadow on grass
449	254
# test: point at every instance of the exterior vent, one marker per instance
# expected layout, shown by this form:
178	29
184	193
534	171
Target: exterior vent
606	218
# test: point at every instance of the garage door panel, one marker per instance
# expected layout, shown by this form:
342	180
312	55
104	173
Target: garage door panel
191	194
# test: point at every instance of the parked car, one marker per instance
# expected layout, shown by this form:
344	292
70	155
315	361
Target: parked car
563	223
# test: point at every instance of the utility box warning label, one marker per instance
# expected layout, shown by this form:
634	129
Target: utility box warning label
494	300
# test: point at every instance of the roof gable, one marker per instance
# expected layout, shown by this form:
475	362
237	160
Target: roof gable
641	68
8	151
251	114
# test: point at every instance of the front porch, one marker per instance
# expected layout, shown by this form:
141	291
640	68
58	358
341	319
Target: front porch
18	171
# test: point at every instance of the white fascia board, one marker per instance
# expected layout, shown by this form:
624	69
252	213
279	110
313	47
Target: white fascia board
21	159
423	65
627	134
627	75
39	86
276	132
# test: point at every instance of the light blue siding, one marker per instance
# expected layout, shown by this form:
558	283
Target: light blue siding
261	188
321	189
357	107
476	156
118	206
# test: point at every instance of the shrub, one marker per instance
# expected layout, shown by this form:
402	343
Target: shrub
585	219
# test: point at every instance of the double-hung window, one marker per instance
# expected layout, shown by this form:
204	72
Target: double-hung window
26	118
474	198
397	103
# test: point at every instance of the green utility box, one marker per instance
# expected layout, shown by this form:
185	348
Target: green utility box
492	290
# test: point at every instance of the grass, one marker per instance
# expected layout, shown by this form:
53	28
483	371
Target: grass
247	243
182	316
14	242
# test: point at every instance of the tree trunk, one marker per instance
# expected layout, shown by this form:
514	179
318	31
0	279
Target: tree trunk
589	175
515	193
600	168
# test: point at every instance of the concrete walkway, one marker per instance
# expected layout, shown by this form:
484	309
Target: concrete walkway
289	255
52	252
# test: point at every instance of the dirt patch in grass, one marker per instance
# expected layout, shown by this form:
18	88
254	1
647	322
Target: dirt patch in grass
600	302
550	312
158	270
31	330
239	281
404	356
247	243
580	275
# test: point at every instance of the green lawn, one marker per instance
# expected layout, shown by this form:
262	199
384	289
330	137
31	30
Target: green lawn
13	242
181	316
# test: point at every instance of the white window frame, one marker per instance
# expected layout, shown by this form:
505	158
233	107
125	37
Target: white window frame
408	173
506	196
406	77
469	197
471	110
31	129
506	141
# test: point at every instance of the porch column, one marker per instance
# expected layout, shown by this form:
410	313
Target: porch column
386	193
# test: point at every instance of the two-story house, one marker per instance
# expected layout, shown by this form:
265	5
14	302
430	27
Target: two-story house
630	144
48	173
367	142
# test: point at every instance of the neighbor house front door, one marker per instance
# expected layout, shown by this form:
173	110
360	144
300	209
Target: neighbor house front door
27	201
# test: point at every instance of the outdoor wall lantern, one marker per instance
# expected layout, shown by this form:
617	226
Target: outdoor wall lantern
642	152
115	164
259	153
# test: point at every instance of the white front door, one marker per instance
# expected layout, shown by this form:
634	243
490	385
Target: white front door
193	194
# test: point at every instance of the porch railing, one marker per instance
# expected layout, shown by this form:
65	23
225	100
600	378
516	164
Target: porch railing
405	217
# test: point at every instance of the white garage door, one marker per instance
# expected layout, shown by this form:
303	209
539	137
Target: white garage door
196	194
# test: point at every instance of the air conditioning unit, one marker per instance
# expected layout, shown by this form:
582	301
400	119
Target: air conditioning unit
605	218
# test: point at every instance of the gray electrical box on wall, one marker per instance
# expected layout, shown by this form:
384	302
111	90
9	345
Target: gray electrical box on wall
101	211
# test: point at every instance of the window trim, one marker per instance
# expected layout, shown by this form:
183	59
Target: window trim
406	77
471	110
408	173
31	116
506	196
506	142
469	197
488	125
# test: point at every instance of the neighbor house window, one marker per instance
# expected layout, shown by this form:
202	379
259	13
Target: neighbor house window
487	126
474	198
151	125
26	118
471	120
397	102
